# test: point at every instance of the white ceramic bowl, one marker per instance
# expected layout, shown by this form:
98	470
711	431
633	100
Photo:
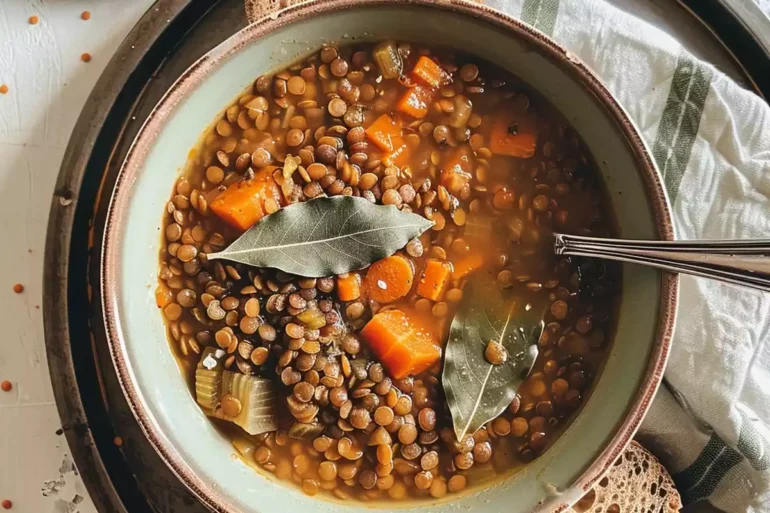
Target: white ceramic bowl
202	458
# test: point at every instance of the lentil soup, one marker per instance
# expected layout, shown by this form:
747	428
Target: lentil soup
432	132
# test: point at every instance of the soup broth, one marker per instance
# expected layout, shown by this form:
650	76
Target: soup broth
431	131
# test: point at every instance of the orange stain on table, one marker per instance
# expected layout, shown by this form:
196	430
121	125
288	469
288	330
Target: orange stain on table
3	88
33	20
85	15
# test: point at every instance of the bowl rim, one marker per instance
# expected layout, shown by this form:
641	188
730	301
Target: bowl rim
209	494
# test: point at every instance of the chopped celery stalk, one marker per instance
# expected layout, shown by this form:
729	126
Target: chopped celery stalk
305	431
208	378
244	447
463	107
257	410
388	60
248	401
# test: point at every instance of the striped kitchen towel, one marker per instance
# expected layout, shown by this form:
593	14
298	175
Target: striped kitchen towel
710	423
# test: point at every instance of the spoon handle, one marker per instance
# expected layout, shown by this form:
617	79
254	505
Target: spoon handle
741	262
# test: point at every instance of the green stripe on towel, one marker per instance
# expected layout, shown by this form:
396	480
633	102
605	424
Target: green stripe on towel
680	121
541	14
701	478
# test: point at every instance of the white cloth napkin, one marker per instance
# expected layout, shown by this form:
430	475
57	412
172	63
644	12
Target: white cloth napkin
710	424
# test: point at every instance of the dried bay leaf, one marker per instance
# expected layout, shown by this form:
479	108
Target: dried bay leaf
325	236
477	391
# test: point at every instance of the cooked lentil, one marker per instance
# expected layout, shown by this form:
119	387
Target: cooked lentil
370	436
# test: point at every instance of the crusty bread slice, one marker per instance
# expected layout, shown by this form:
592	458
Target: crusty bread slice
256	9
636	483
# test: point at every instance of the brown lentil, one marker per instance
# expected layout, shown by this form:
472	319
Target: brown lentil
495	353
456	483
327	471
407	434
383	416
519	426
501	426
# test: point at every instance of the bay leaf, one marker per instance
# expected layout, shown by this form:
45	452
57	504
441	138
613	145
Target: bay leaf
477	391
325	236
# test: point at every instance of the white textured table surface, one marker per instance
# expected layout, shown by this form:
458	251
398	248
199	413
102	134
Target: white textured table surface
48	86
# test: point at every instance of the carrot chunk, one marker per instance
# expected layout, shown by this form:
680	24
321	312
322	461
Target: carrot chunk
467	264
456	171
401	153
415	101
513	137
163	295
383	132
243	203
433	279
402	346
349	287
429	71
389	279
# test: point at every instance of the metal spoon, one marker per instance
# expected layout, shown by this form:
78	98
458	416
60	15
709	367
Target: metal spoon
741	262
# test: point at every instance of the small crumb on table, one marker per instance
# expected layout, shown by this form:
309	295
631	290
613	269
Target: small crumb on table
6	504
33	20
6	386
85	57
3	88
85	15
18	288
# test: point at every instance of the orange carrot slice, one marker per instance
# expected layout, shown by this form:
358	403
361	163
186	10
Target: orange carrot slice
383	132
429	71
456	170
349	287
401	153
415	101
433	279
403	347
163	295
243	203
389	279
513	137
